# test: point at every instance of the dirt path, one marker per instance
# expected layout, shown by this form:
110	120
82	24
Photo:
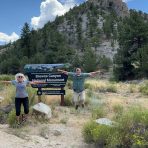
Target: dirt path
64	131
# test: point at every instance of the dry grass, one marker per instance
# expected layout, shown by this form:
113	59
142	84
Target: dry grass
99	93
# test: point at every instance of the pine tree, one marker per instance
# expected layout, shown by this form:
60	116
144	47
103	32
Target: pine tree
89	60
25	40
133	35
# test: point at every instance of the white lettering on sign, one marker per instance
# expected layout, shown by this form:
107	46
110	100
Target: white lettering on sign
41	76
54	80
40	80
54	76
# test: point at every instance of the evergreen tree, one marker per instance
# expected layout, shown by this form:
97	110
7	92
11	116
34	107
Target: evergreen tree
25	40
89	60
133	35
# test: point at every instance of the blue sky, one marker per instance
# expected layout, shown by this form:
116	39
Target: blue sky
14	13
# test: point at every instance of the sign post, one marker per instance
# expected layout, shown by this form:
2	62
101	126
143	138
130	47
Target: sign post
49	77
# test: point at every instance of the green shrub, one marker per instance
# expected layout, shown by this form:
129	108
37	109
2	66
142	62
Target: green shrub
105	62
6	77
98	112
64	120
87	85
3	117
111	88
130	130
12	118
69	84
87	131
132	88
31	95
118	109
68	98
144	89
99	134
1	87
89	93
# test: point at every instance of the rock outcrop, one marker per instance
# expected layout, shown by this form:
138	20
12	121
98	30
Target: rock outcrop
118	6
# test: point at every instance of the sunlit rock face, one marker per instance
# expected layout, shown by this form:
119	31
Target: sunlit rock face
118	6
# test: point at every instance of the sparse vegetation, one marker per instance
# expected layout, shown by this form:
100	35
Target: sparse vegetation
68	101
64	120
131	123
12	118
130	130
144	89
98	112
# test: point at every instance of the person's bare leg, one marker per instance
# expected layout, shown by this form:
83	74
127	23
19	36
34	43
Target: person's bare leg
82	98
76	96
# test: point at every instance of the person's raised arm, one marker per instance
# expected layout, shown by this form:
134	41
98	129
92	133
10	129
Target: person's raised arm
92	74
63	71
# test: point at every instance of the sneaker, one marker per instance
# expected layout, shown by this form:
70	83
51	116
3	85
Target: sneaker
76	107
24	118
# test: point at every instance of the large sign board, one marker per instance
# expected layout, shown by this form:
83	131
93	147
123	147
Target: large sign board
46	73
50	80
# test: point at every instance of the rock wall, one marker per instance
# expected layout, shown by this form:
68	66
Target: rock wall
120	7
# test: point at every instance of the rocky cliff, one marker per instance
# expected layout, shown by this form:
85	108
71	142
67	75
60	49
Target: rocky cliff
118	6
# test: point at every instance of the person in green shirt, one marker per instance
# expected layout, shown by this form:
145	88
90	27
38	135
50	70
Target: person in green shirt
78	85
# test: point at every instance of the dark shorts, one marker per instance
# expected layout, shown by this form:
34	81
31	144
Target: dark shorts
18	102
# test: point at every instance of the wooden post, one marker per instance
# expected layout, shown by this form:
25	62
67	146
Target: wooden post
62	98
39	95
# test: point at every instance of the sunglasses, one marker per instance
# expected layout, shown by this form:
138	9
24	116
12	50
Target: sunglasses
20	76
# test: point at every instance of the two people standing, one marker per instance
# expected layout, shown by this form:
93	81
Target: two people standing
21	97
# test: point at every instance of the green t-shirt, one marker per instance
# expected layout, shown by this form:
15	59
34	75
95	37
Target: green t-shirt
78	81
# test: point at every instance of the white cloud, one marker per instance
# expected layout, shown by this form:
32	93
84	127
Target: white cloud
127	1
8	38
49	9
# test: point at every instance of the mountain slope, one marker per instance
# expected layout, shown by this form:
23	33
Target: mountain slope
89	29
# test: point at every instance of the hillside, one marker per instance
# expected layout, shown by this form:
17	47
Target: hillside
89	32
93	24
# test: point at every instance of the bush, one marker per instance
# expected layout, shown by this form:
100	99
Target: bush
31	95
144	89
68	100
6	77
69	84
98	112
101	135
130	130
87	131
93	132
12	118
87	85
105	62
3	117
118	109
89	93
111	88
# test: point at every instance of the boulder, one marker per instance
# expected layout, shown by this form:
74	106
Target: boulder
43	109
7	109
104	121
